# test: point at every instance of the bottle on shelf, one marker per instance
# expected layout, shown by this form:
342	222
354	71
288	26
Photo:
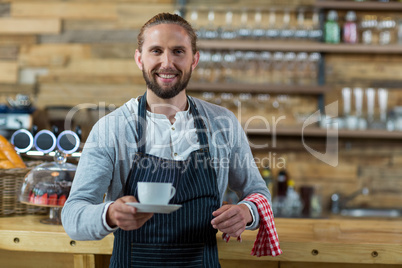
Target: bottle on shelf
282	183
350	28
293	202
332	30
266	174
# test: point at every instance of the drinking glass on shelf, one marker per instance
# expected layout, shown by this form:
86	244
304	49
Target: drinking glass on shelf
273	30
313	62
203	70
211	30
277	68
302	68
217	68
240	66
208	96
347	105
194	22
289	68
263	104
360	121
264	67
229	65
315	33
245	106
258	31
251	66
383	103
244	30
287	30
370	95
228	31
301	30
228	101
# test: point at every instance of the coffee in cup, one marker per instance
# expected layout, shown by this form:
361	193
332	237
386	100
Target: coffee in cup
155	193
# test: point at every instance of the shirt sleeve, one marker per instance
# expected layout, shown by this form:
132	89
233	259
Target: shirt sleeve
253	211
82	214
244	176
107	227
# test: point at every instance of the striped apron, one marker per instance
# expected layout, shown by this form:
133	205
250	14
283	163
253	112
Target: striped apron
184	238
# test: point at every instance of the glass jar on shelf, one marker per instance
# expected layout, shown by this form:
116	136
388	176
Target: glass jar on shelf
301	69
228	31
277	68
244	30
264	67
229	66
286	31
258	30
386	27
368	27
289	68
313	67
217	68
315	32
211	30
301	29
273	29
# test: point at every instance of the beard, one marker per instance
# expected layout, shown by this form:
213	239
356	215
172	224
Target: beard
167	93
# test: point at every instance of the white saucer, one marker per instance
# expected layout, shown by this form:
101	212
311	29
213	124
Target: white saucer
146	208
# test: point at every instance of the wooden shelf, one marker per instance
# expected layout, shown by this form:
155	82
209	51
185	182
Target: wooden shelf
374	6
318	132
258	88
298	46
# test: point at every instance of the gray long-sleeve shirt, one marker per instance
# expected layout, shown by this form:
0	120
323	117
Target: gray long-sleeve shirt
110	148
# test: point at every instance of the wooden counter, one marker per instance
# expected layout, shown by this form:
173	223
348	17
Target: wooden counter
305	243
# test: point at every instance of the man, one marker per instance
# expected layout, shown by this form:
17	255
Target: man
164	136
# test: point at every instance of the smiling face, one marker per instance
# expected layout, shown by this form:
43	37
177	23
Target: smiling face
166	59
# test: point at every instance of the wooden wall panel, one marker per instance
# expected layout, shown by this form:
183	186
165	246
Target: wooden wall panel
9	53
72	10
52	54
29	26
74	94
92	36
134	16
8	72
12	39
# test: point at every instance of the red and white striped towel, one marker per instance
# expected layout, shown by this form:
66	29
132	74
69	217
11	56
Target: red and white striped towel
267	241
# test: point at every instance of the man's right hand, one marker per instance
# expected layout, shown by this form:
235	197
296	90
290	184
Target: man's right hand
125	216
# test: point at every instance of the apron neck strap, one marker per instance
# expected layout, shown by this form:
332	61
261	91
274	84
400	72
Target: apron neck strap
141	124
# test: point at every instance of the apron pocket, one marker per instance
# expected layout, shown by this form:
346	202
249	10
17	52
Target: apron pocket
167	255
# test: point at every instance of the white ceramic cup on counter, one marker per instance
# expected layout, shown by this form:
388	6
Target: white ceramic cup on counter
155	193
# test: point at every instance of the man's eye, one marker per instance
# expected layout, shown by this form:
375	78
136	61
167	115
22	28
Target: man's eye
156	51
179	51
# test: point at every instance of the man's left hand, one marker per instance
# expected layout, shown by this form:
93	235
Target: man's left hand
232	219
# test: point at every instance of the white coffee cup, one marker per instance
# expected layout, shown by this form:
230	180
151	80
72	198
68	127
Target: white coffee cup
155	193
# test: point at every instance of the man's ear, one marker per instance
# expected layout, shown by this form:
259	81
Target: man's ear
196	59
138	59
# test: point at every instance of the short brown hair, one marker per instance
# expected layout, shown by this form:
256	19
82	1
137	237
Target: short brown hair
167	18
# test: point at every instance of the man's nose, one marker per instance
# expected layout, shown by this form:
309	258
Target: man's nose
167	60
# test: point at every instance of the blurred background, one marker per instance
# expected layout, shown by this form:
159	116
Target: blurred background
273	63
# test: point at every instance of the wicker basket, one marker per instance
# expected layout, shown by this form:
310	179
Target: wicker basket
11	181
